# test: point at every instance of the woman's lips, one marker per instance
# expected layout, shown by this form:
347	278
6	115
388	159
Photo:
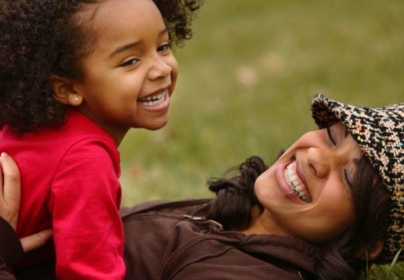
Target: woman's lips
292	183
301	176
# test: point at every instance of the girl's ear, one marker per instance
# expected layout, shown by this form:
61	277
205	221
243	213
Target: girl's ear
65	92
371	253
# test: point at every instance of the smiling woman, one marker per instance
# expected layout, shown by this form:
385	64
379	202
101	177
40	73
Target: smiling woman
310	181
327	208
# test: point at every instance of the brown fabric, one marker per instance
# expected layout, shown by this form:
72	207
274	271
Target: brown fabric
10	249
11	253
171	240
5	273
162	243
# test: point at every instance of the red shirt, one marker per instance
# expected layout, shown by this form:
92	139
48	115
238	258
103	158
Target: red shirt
70	183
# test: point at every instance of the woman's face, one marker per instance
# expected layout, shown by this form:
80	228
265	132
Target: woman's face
307	192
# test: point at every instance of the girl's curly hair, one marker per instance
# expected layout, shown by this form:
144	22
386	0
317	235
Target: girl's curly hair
40	38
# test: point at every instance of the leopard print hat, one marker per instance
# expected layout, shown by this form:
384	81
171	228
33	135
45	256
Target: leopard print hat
380	134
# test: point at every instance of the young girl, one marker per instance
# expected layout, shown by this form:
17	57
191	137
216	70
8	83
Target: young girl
75	77
328	208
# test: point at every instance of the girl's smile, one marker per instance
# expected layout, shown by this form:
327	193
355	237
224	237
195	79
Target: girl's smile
153	101
130	75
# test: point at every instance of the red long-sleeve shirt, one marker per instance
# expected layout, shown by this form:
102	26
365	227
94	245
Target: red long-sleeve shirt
70	183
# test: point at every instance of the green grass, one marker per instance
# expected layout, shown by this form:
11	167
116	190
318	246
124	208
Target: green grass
246	81
392	271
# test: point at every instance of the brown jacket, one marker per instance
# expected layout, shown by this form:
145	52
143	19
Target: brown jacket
10	249
172	240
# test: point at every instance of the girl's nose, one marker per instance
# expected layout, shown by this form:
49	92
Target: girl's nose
159	69
319	161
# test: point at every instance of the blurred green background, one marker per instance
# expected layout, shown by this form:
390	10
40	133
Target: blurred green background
246	81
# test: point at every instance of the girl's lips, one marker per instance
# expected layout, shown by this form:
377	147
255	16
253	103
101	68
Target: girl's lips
156	104
283	184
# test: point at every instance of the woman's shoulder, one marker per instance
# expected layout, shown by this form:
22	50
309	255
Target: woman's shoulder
226	255
160	218
155	230
179	207
163	239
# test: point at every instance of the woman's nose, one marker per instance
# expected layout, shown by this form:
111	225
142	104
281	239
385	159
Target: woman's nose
319	161
159	68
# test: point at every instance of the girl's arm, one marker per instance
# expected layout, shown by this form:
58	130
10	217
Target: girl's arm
11	247
84	202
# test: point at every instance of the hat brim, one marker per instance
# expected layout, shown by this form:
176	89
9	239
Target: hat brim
379	133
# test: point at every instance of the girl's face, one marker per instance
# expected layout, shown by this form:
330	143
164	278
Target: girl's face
129	77
307	192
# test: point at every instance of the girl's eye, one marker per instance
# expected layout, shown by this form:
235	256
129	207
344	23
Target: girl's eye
164	47
129	62
330	136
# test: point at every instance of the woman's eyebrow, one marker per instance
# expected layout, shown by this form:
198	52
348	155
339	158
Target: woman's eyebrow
346	132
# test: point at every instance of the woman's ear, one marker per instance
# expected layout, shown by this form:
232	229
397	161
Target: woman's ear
65	91
371	253
376	250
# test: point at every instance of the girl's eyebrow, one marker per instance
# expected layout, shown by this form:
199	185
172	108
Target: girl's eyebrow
122	48
131	45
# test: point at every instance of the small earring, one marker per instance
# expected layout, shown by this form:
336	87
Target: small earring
76	99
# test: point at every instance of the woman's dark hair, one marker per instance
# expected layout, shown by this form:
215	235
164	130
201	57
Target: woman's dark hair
344	257
235	196
40	38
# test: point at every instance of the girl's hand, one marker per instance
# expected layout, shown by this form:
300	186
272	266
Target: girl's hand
10	194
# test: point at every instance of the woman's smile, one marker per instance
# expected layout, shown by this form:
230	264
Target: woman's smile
295	183
309	181
291	183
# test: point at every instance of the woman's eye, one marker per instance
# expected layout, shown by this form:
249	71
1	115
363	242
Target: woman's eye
347	180
129	62
164	47
330	136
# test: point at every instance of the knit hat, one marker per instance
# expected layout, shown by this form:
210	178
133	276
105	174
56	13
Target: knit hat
380	134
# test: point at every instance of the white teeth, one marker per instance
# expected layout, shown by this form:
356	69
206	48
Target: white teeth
293	180
154	100
299	189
